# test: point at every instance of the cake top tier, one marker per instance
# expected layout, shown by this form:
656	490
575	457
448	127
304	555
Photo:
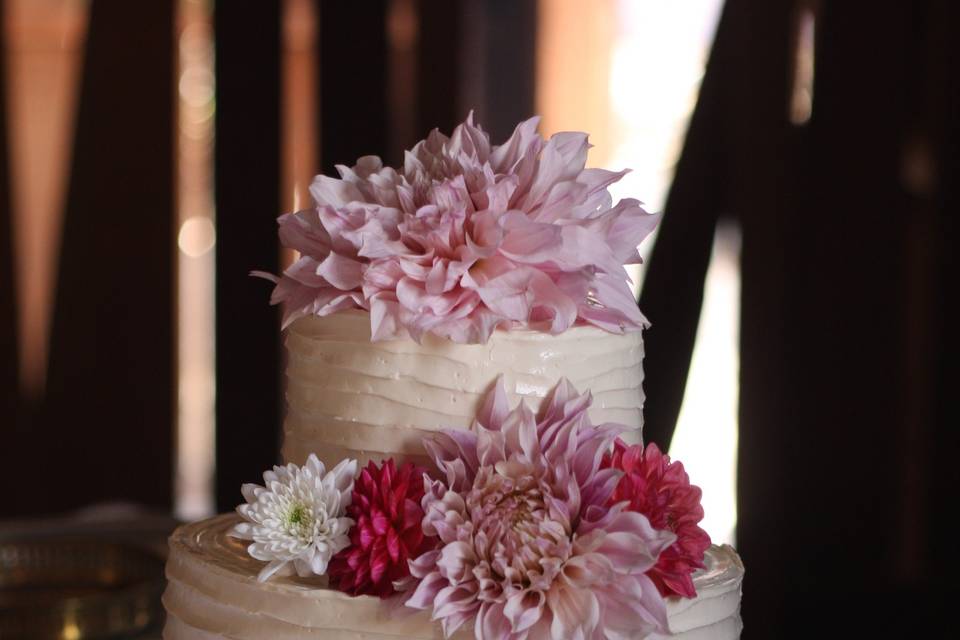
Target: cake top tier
468	237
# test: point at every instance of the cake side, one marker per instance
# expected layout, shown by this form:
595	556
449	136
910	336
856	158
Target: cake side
349	397
213	592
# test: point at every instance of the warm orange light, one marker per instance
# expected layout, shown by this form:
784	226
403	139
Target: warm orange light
44	43
574	54
299	103
196	242
801	97
299	128
197	236
628	71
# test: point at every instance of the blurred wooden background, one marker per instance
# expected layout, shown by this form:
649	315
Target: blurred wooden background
848	446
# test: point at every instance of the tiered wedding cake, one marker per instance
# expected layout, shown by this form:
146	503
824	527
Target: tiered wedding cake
444	474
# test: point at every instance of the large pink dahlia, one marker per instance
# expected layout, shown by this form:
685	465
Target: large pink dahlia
661	490
528	546
467	237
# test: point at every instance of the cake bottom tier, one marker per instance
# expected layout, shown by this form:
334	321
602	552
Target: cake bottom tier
213	593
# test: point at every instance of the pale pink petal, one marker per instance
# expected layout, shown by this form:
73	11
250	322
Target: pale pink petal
342	272
381	277
495	407
498	193
625	226
386	321
552	409
517	294
363	169
562	200
572	147
599	488
303	232
304	271
453	622
426	592
424	564
491	623
585	571
469	139
413	296
596	181
523	609
454	451
562	158
490	446
632	606
631	543
332	192
527	241
456	561
520	432
265	275
576	612
456	598
613	306
524	142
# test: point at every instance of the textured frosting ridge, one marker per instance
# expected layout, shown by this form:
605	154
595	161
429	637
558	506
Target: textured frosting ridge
350	397
213	593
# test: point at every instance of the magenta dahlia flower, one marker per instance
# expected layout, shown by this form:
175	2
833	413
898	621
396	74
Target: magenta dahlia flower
467	237
388	530
661	490
528	545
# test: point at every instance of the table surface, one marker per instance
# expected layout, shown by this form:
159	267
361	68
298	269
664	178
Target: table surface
125	524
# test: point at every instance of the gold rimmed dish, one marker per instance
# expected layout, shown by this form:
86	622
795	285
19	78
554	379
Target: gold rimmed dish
73	589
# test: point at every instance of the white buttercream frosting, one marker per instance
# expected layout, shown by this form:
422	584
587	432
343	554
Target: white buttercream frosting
213	593
350	397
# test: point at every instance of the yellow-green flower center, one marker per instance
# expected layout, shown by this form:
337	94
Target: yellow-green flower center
296	515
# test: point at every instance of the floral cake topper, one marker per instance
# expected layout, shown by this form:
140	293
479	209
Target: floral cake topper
529	526
467	237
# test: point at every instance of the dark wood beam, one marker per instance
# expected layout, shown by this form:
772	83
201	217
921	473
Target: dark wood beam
9	363
353	82
247	185
501	41
440	66
105	429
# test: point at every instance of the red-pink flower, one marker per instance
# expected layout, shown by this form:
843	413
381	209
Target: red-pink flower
388	531
661	490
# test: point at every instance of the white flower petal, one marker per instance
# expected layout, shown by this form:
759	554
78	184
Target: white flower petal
272	568
314	465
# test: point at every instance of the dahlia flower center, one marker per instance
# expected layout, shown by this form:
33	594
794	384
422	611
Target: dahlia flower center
520	509
520	544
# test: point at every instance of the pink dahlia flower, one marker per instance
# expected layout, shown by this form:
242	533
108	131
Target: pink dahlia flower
467	237
528	546
661	490
388	530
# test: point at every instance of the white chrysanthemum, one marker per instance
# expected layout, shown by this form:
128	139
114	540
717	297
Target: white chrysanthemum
296	520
